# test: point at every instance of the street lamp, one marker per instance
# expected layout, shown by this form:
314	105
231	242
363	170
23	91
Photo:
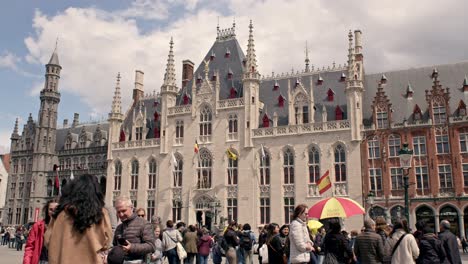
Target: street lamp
370	200
406	156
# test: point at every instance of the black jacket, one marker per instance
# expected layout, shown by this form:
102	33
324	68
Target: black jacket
449	241
275	250
337	244
431	250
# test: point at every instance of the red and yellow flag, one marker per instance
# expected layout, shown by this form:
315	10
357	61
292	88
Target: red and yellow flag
195	148
324	182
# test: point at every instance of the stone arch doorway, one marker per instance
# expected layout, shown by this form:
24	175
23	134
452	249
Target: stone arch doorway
204	211
396	213
377	211
449	213
426	214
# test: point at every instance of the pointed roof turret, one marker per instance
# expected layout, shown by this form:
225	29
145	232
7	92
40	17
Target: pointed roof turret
54	58
251	65
15	134
383	79
307	61
117	101
169	76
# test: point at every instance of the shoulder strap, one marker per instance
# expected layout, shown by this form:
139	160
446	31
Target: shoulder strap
397	244
171	237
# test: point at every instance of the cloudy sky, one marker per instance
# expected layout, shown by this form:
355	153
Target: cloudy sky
98	39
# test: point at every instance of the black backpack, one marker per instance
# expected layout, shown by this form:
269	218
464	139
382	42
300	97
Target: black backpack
245	241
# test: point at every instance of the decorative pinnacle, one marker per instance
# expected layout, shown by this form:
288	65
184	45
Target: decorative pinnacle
116	102
251	66
169	77
15	130
307	69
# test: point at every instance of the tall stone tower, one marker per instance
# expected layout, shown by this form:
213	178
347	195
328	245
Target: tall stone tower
251	83
44	154
168	97
354	85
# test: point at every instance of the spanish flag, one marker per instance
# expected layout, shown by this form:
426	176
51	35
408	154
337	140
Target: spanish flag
231	155
324	182
195	149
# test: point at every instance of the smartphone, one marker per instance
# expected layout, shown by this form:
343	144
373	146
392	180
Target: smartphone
122	241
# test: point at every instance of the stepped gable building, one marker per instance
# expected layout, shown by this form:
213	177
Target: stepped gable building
426	108
262	142
78	148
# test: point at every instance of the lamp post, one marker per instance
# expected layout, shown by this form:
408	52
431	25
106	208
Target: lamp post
370	200
406	156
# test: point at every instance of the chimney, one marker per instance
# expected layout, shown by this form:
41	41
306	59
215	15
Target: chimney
76	120
65	123
358	44
138	90
187	72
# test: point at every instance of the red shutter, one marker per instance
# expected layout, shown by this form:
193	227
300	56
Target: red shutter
338	113
266	121
122	136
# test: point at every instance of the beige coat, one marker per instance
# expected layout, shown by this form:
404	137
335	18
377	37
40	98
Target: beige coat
407	251
65	245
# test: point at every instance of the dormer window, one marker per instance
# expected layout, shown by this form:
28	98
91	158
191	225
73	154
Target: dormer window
199	79
213	78
417	115
461	108
297	83
229	75
319	80
228	53
276	86
244	62
383	79
266	120
232	93
338	113
157	133
186	99
330	95
280	101
122	136
155	104
343	77
212	56
156	116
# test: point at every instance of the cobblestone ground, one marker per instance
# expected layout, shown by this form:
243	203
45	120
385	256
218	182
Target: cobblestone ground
11	256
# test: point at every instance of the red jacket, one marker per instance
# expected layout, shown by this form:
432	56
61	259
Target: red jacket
32	251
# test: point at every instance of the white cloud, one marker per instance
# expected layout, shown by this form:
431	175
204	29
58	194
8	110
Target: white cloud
94	44
9	60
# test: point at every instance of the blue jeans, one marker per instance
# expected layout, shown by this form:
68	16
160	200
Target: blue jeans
202	259
172	256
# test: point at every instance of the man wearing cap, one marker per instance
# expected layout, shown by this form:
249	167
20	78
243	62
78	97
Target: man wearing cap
134	234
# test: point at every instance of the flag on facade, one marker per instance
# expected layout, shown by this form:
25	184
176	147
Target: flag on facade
263	153
324	182
231	155
72	176
196	147
174	160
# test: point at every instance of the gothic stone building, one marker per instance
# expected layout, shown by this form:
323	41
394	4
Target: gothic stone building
75	149
286	131
426	108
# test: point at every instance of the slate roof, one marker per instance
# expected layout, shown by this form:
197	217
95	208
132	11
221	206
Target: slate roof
147	103
62	133
450	75
54	59
223	65
331	80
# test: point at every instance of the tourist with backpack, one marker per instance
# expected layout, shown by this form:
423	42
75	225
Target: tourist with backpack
403	245
246	242
232	241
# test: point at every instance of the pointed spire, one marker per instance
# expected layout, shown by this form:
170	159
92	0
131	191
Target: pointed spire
251	66
169	77
15	130
435	73
307	61
54	58
117	101
409	89
383	79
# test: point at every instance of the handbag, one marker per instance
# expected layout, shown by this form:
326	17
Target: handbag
263	252
330	259
181	253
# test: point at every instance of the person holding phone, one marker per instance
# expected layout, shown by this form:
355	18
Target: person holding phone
135	234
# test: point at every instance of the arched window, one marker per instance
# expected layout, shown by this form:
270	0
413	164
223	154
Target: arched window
82	165
314	165
179	137
68	143
134	175
439	113
288	167
264	167
232	171
118	176
152	175
82	141
178	172
232	132
373	146
394	142
205	124
340	164
204	169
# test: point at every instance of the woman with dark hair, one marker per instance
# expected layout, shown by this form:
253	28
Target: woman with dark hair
190	244
336	243
232	241
35	251
300	244
403	244
80	228
275	249
170	238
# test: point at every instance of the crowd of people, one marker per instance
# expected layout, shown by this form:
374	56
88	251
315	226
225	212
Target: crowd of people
79	228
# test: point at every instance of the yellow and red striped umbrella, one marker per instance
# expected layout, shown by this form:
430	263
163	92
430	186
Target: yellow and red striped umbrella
335	207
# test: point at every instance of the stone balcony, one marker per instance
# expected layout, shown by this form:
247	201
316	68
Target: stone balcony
302	129
231	103
152	142
179	110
